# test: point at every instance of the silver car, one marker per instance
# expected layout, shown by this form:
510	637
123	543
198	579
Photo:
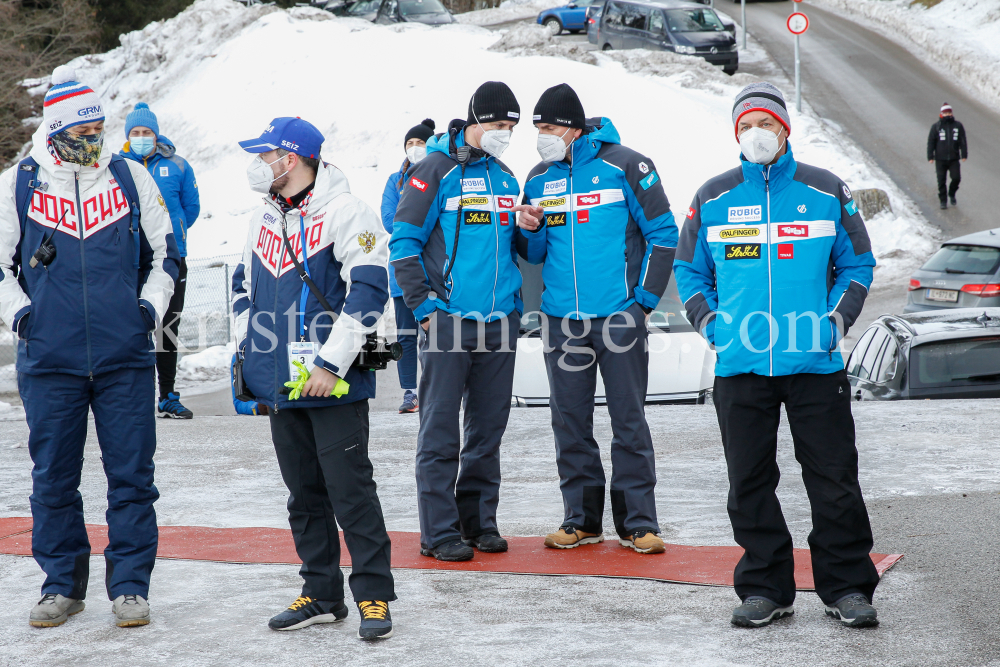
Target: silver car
962	274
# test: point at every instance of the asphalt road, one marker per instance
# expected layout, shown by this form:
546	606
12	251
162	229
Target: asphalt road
886	99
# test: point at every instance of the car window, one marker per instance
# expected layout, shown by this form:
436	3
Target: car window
886	365
582	3
635	17
964	259
415	7
656	22
613	14
872	353
964	362
364	7
693	20
854	363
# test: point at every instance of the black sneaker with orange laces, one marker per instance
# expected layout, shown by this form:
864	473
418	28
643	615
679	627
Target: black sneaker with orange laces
376	623
305	611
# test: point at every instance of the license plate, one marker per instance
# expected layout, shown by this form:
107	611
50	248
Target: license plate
942	295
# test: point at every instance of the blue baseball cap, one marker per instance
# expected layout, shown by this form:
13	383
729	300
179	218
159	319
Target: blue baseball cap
292	134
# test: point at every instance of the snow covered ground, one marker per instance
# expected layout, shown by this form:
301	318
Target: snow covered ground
509	10
959	37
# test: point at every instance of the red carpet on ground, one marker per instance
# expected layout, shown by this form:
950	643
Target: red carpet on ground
527	555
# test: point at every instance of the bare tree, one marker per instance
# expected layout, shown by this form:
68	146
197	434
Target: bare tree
35	37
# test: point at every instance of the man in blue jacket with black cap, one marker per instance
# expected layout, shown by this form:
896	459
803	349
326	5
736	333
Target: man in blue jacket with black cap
312	285
773	265
179	189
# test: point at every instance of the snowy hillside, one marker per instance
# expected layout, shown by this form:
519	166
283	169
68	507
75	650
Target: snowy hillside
959	37
219	72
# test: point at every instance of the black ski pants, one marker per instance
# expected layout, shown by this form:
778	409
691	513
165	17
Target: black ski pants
323	457
166	356
819	415
944	167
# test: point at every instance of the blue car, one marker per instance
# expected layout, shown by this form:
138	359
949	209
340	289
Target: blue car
572	17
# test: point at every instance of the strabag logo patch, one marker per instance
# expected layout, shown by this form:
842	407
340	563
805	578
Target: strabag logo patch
793	230
473	184
745	213
477	217
739	233
745	251
554	187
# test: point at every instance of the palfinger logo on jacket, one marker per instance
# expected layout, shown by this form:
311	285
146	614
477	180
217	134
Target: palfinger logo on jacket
738	233
367	241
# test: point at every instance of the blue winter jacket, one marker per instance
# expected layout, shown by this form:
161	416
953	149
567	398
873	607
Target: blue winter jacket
175	178
608	236
390	200
485	283
774	265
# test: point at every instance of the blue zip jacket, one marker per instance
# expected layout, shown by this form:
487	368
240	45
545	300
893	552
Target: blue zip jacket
175	178
608	236
390	200
774	265
485	283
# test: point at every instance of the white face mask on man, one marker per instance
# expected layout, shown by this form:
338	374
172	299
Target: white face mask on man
552	147
495	142
759	145
416	153
260	176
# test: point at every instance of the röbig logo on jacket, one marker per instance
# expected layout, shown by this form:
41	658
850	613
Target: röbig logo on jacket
99	211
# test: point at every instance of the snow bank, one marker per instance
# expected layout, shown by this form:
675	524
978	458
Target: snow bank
961	37
209	365
510	10
214	75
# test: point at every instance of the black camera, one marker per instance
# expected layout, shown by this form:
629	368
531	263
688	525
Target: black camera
376	353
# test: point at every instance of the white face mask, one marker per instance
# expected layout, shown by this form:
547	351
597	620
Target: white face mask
416	153
759	145
260	176
495	142
551	147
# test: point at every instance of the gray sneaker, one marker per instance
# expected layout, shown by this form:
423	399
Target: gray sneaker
854	611
53	609
130	610
756	612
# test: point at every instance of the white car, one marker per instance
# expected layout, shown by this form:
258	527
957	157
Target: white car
681	362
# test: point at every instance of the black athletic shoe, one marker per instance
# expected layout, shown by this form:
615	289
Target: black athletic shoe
944	205
490	543
376	622
306	611
756	612
450	551
171	408
953	202
854	611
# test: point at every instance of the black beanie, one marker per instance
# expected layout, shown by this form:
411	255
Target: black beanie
493	101
560	105
424	131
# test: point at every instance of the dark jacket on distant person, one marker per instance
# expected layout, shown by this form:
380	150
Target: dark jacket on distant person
947	140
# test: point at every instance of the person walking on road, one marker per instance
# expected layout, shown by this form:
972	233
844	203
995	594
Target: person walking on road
175	179
774	265
595	212
316	253
415	147
946	148
453	252
88	264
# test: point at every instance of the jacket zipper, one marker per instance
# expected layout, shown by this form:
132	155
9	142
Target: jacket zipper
277	281
572	239
496	235
83	269
770	315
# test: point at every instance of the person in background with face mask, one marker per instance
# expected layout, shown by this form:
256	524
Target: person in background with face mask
175	179
89	263
774	265
946	147
453	253
595	212
415	146
311	286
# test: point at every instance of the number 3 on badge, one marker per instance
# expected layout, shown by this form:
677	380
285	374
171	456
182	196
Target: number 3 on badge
304	353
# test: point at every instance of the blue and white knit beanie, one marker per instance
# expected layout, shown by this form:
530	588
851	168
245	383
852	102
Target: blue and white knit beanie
141	116
761	97
69	102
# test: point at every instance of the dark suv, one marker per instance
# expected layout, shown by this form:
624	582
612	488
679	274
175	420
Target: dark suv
687	28
941	354
431	12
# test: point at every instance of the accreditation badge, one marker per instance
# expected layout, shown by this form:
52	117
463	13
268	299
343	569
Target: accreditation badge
302	352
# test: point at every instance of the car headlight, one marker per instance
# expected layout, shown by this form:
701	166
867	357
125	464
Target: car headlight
687	50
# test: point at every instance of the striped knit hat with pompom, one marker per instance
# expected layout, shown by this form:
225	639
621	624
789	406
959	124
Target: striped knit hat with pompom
69	102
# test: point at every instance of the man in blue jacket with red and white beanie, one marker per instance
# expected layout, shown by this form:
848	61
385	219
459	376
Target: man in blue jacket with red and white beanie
774	265
175	179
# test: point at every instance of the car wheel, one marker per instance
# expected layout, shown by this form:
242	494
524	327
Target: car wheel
729	70
607	47
553	24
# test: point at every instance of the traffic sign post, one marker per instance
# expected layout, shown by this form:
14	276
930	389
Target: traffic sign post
743	8
797	24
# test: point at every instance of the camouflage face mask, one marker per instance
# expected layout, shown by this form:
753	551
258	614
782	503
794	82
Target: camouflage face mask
84	150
